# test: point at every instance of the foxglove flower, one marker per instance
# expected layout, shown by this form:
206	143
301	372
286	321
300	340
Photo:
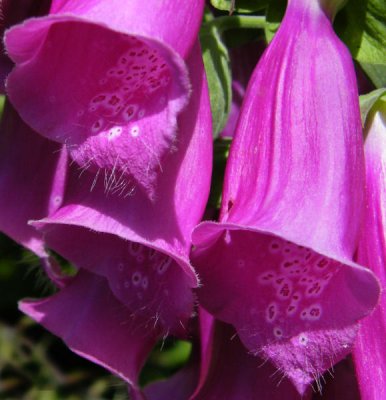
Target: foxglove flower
135	280
107	80
370	361
278	264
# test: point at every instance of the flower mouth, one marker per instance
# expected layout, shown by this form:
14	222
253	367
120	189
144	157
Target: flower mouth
112	98
284	288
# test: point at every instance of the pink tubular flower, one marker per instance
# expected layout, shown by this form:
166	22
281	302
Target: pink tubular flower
130	250
107	80
369	356
278	265
140	180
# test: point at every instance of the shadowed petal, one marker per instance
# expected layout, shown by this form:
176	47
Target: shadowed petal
32	180
236	375
95	325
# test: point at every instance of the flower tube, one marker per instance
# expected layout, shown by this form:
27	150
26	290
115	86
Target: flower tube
136	251
107	80
278	266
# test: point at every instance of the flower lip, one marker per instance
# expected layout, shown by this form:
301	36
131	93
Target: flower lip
114	106
273	291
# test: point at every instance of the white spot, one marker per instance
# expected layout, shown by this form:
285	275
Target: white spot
164	265
145	282
266	277
97	125
271	312
57	200
296	297
136	278
314	312
285	290
303	339
278	332
314	289
303	314
280	280
304	281
291	309
114	132
227	237
134	131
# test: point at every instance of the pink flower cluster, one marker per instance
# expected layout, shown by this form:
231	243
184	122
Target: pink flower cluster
106	159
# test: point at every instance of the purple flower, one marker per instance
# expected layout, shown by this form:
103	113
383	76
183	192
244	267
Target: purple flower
370	361
278	266
107	80
139	183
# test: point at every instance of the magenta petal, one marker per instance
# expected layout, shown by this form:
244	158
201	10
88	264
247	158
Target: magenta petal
95	325
149	283
32	180
236	375
114	103
147	263
170	21
278	265
369	351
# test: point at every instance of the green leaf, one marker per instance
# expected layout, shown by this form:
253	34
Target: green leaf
274	15
367	101
221	151
376	73
217	67
241	6
362	26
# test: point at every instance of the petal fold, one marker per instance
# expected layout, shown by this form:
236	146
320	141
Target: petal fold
95	325
32	180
